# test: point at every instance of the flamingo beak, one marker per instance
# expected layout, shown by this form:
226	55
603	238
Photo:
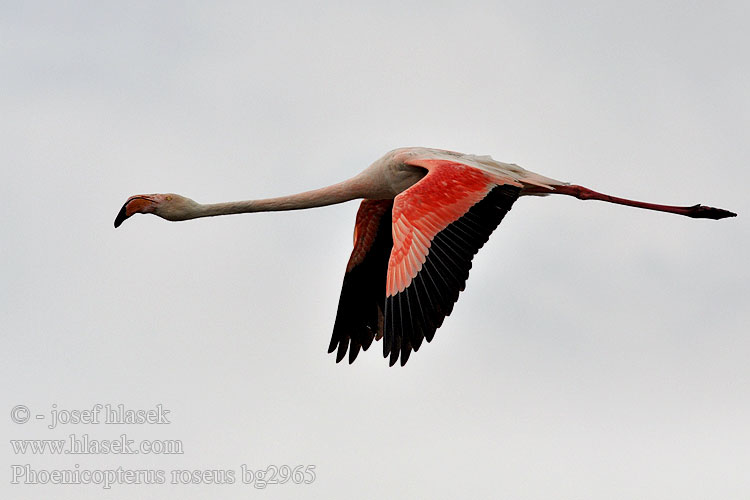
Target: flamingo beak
135	204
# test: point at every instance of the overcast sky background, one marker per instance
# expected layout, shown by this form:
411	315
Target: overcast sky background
598	351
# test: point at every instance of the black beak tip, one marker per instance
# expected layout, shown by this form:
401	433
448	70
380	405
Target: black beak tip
121	216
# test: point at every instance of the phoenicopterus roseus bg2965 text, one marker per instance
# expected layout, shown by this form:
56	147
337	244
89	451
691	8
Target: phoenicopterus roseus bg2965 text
425	214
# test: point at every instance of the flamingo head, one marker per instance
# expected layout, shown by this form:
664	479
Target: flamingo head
168	206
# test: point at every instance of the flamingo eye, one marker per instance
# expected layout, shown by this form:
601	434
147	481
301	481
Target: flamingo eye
169	198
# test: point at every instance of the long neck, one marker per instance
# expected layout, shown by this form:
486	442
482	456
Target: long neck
337	193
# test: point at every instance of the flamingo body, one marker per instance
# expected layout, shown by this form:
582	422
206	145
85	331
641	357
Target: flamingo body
425	214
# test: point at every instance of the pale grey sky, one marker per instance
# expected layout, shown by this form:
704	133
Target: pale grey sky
598	351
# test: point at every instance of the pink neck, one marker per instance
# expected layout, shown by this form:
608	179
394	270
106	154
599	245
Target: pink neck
338	193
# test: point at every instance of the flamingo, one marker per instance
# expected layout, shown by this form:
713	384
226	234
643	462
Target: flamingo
425	214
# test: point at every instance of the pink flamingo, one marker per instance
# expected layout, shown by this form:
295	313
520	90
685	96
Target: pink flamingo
425	214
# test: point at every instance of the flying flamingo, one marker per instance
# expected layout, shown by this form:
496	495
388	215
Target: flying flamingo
425	214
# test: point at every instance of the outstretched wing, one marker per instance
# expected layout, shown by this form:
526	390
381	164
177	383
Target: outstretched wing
438	226
360	314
